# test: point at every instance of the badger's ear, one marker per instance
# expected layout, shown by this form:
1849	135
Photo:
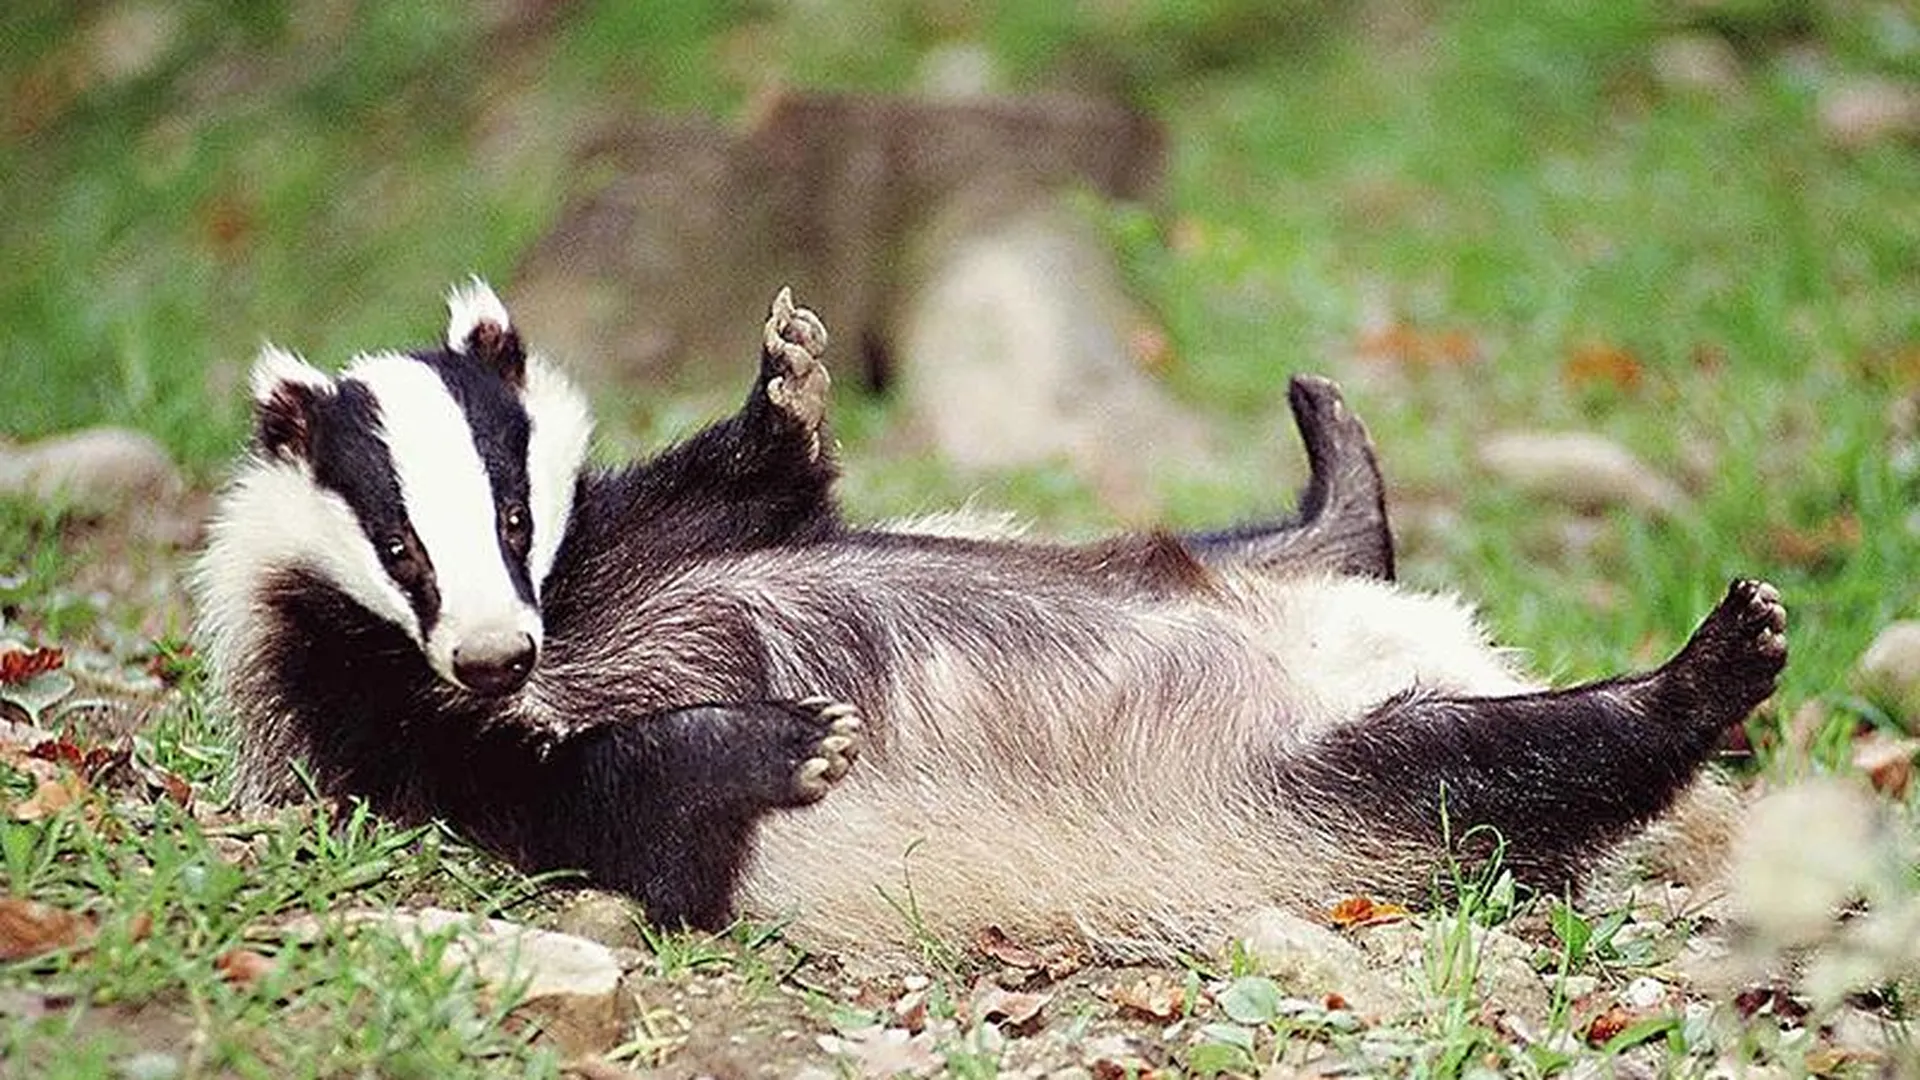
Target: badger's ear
477	326
284	390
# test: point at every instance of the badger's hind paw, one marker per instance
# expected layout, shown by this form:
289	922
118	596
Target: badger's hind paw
1733	660
834	754
795	379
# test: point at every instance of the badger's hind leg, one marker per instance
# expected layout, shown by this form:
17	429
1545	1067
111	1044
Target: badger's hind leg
1555	775
666	809
1340	523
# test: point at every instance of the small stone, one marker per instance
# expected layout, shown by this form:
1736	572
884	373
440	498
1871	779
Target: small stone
1584	470
1696	63
570	987
1862	112
95	472
150	1065
1306	958
602	917
1890	669
1643	993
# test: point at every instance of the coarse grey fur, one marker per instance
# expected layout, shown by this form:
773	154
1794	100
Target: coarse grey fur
1132	743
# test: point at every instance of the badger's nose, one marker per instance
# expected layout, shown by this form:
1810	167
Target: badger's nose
494	663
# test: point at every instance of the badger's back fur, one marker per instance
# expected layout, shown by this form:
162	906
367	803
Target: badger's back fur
1129	742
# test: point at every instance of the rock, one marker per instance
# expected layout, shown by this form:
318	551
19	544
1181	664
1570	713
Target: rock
1013	350
1308	959
95	472
1804	851
1890	669
570	987
602	917
1584	470
1857	113
1698	63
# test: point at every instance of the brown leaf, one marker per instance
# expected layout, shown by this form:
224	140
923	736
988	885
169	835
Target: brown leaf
52	796
1407	346
995	943
1019	1013
1887	761
1358	911
242	967
31	929
1151	998
1616	1019
19	665
1602	364
910	1011
1815	545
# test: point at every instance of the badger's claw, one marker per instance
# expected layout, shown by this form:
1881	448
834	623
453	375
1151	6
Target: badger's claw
836	751
796	381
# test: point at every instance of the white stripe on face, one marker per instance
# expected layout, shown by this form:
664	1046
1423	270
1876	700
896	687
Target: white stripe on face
556	447
450	504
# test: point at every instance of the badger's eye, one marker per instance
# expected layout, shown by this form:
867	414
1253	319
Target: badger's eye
396	554
516	526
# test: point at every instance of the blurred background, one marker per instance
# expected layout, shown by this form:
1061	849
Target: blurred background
1629	292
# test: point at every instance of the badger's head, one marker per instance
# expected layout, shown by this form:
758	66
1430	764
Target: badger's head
431	488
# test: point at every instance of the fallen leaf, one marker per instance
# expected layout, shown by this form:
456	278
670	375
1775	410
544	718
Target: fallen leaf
1152	998
19	665
1358	911
1887	761
242	967
910	1011
50	797
1612	1022
1773	1001
1815	545
995	943
1018	1012
1407	346
31	929
1602	364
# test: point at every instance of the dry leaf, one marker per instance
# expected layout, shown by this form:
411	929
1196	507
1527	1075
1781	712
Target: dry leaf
1887	761
1152	998
1018	1012
242	967
910	1011
1407	346
52	796
995	943
1601	364
1358	911
1816	545
31	929
19	665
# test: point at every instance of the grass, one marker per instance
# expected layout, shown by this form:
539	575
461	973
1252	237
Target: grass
1541	231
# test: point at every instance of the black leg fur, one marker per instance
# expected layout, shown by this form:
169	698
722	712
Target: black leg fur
761	477
1341	521
1556	774
665	809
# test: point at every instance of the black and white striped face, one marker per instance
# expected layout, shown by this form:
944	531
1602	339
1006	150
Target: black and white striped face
432	488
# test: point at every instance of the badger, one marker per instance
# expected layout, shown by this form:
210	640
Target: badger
692	680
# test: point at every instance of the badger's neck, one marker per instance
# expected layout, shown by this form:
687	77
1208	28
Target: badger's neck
348	695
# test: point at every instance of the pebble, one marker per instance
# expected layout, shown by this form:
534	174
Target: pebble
1581	469
1890	669
1856	113
94	472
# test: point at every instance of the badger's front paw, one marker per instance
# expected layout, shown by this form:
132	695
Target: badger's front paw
790	369
834	753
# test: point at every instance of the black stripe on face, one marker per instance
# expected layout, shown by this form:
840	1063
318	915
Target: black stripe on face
350	459
498	423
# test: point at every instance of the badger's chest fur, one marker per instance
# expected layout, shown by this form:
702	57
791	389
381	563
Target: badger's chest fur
415	587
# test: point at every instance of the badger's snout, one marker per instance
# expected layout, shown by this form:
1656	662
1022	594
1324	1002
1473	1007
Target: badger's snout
495	662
